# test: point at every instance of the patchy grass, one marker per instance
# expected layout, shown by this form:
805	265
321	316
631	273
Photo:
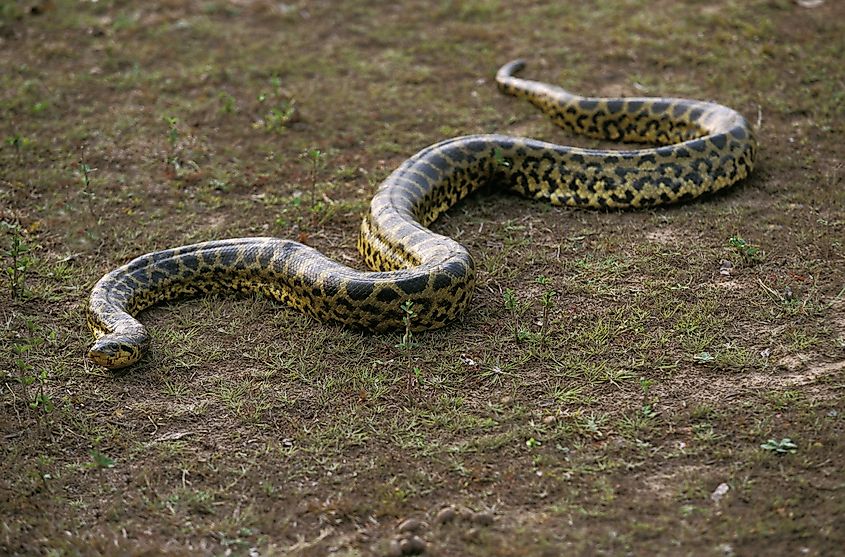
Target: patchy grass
626	413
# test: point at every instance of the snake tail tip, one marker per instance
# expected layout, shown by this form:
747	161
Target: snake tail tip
512	68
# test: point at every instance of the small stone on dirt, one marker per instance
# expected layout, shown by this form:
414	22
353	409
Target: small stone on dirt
410	525
395	550
445	515
720	492
413	545
725	267
483	518
471	535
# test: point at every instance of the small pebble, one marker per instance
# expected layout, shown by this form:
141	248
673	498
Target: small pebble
549	420
395	550
410	525
506	400
471	535
483	518
446	515
466	514
413	545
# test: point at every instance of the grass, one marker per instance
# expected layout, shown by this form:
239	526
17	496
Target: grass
606	380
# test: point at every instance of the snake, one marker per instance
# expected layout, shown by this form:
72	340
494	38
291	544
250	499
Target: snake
418	279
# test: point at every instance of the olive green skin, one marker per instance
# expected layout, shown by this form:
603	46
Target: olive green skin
701	147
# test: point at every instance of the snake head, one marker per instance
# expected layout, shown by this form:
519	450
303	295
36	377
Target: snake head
115	350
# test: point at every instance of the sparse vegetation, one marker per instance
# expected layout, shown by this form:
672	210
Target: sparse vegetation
614	371
17	258
784	446
408	315
747	253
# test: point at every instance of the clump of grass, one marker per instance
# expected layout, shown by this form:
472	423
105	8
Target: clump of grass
513	306
282	109
316	160
18	143
784	446
28	377
85	171
17	259
547	301
749	254
409	314
228	104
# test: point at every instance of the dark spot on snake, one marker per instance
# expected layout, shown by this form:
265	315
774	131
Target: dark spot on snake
359	290
699	145
678	110
414	284
430	172
659	107
249	257
442	281
739	132
475	145
695	114
438	162
623	171
505	143
190	261
265	256
719	140
387	294
168	266
615	106
693	177
587	104
208	257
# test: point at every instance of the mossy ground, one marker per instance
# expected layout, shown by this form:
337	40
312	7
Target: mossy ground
251	429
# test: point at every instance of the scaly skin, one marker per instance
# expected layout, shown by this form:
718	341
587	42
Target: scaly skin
701	147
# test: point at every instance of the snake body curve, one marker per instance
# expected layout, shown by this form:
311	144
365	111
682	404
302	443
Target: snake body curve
699	147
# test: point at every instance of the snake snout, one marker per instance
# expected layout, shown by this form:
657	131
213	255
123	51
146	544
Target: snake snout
114	352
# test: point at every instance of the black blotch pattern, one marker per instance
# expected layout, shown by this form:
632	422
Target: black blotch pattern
699	145
169	266
191	262
359	290
387	295
635	106
413	284
615	106
739	132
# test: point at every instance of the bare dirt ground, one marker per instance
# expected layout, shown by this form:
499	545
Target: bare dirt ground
686	393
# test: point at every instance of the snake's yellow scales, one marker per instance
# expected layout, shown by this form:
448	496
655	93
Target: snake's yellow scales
700	147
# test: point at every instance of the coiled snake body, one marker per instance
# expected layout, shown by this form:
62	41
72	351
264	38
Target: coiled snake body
700	147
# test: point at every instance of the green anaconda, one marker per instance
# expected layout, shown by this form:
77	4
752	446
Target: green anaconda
699	147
